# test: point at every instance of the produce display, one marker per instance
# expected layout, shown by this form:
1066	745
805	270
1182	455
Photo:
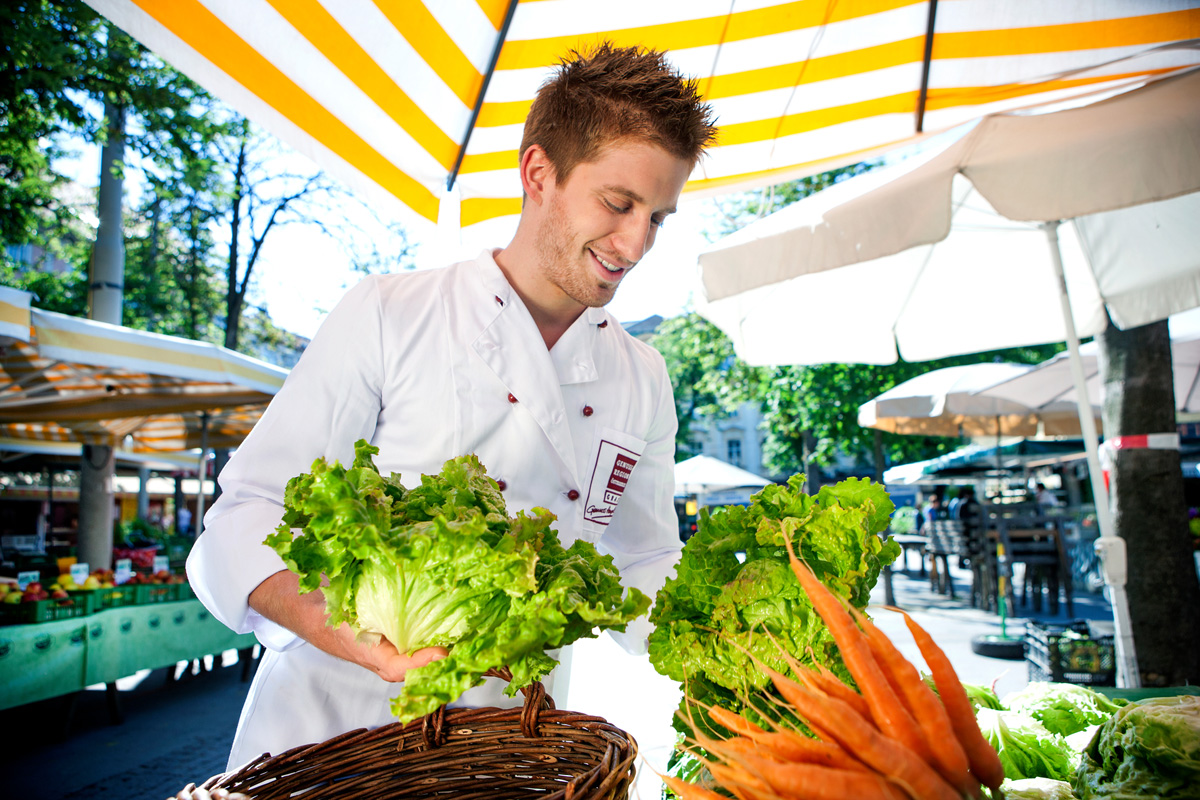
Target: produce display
735	603
892	737
442	564
65	598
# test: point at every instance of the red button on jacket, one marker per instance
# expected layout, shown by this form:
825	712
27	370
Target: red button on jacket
572	495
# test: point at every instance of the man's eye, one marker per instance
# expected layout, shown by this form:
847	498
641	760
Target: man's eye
616	208
658	222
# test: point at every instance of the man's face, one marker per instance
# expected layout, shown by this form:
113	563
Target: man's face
599	224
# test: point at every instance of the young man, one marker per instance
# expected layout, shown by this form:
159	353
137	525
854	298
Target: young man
511	357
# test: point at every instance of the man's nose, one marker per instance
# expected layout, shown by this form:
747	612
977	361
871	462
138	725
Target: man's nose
635	237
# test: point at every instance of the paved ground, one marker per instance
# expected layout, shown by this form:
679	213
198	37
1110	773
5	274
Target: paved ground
177	732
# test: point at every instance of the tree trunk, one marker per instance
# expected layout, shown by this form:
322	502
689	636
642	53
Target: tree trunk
1148	504
233	293
105	298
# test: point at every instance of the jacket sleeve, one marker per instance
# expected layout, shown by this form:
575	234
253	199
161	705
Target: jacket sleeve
330	399
643	538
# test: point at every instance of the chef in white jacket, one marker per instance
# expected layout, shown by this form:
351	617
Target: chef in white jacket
510	356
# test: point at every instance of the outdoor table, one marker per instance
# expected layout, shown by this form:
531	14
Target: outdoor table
49	659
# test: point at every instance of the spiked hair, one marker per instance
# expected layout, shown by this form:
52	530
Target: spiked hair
614	93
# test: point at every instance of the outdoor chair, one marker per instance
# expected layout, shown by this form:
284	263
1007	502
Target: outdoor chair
946	539
979	554
1037	543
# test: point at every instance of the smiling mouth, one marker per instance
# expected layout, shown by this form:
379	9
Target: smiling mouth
608	265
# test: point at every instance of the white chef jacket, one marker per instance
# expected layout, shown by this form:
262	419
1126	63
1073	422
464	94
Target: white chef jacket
427	366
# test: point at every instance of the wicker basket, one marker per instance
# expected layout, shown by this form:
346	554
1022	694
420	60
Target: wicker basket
532	751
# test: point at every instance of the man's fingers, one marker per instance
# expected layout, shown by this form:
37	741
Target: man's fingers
393	666
427	655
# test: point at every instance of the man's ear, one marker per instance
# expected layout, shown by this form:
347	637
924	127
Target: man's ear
537	173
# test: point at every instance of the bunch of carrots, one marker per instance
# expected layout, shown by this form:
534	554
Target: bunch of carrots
894	738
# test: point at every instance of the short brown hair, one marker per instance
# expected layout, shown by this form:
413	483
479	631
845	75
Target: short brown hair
613	93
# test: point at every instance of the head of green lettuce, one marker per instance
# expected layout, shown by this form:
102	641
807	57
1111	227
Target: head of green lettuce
442	564
1150	748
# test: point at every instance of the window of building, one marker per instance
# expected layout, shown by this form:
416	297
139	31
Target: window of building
733	451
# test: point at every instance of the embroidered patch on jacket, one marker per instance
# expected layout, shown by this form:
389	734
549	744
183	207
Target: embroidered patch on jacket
610	475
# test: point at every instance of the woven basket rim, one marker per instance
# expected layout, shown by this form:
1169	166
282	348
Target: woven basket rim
466	751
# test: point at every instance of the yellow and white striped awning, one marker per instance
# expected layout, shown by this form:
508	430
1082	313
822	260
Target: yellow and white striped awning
85	381
14	315
400	98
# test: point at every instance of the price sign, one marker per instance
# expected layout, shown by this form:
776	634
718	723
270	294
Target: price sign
80	572
162	564
123	570
26	578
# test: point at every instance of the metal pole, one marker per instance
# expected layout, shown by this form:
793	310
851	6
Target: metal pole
1110	547
199	523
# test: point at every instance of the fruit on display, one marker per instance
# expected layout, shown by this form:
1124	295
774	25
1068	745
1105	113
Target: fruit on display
156	578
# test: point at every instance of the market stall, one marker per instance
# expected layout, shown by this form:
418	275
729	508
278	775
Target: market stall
48	659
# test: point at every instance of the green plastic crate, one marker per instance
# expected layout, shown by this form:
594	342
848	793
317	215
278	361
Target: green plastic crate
154	593
114	597
42	611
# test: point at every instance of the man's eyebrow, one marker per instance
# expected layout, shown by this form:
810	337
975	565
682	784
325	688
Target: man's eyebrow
632	195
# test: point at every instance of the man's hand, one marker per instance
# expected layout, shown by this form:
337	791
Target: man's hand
278	599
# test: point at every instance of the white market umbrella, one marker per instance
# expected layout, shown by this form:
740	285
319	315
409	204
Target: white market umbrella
958	251
400	100
1051	384
968	400
945	402
703	474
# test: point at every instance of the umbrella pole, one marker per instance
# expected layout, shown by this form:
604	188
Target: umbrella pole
199	524
1110	547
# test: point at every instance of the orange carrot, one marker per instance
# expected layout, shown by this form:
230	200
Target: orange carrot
812	782
833	685
734	777
789	746
900	764
985	764
689	791
948	756
733	722
886	709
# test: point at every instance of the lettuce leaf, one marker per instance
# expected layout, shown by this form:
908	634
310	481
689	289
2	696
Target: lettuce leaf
443	565
1150	748
1025	747
734	591
1063	708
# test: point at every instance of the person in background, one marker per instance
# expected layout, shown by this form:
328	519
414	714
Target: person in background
509	356
934	509
1044	497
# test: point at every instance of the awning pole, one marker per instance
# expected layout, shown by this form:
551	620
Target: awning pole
1110	547
203	473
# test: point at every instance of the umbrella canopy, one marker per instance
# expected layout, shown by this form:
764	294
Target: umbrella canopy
968	463
84	381
701	474
958	401
942	403
401	99
1050	384
942	254
14	315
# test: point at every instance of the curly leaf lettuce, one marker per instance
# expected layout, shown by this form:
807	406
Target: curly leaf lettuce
443	565
1063	708
734	592
1025	747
